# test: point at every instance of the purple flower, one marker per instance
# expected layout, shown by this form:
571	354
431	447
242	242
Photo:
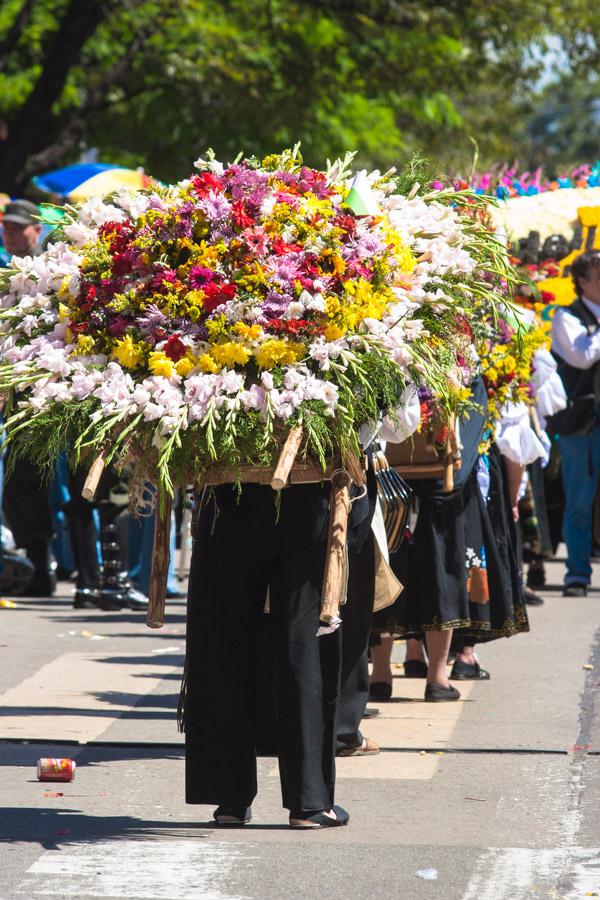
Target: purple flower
152	318
215	207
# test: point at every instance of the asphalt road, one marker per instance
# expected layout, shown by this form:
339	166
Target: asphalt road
496	797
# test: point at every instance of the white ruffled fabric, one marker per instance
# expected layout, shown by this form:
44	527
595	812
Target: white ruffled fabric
407	418
549	390
515	438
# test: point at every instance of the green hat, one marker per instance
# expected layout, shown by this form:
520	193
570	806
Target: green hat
21	212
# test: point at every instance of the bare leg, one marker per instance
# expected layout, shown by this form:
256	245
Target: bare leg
438	646
381	656
466	655
414	650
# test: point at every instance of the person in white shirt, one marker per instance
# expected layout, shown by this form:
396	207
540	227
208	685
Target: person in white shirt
576	344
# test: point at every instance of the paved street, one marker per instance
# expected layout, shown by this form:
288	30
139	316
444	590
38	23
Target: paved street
492	798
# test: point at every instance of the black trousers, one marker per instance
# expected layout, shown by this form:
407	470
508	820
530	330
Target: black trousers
357	615
27	505
242	549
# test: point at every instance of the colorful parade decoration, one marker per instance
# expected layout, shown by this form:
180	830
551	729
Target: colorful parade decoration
253	318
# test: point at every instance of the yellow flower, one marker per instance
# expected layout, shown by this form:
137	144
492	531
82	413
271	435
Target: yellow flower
216	327
230	354
334	333
128	353
63	312
277	352
207	363
184	366
160	364
85	344
248	332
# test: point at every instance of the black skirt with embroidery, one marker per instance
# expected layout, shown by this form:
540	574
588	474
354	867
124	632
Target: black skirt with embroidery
460	569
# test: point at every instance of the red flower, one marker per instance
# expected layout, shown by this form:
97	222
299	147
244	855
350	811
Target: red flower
346	222
206	182
281	248
122	263
118	233
216	293
175	349
547	297
116	327
239	215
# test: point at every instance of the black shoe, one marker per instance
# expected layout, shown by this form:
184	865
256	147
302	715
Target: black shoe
415	668
319	818
86	598
43	585
575	590
531	598
380	691
536	578
226	817
370	713
437	693
136	600
462	671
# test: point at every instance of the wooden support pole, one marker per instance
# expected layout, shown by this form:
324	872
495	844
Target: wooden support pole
93	477
335	579
286	459
355	470
160	565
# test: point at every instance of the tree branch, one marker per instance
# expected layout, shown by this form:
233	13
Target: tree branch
15	31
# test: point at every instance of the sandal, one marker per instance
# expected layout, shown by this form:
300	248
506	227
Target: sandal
320	819
227	817
367	748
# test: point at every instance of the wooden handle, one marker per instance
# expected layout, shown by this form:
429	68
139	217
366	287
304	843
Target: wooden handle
160	565
448	474
286	459
355	470
335	579
93	477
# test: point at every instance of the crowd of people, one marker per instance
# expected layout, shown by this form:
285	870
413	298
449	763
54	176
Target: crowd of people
458	571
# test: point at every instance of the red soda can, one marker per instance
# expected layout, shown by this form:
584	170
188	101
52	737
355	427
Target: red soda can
56	769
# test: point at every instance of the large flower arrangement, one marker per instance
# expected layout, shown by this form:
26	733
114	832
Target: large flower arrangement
194	325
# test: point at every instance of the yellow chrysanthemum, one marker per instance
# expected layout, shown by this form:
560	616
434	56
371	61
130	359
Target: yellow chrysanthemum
230	354
184	366
128	353
207	364
160	364
334	333
278	352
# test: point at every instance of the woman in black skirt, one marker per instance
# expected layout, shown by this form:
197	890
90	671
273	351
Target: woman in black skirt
245	546
459	569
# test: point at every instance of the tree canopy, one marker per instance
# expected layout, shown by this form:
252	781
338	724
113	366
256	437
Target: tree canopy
155	82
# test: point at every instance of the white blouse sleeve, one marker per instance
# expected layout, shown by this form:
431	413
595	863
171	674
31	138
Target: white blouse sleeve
572	341
515	438
549	390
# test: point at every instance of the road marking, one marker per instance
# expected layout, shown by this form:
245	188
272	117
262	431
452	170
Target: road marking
520	873
137	870
76	696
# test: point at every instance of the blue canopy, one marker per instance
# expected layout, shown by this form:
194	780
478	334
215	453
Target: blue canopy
63	181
